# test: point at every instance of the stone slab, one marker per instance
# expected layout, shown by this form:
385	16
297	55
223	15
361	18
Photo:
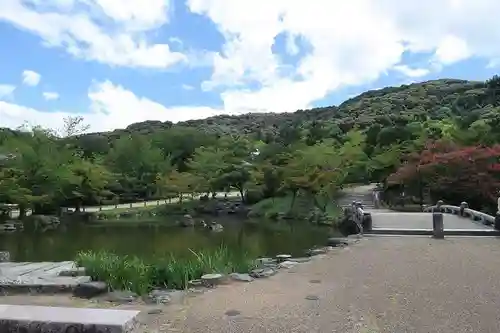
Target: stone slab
37	278
45	319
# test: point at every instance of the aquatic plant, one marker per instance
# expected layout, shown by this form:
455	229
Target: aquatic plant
140	276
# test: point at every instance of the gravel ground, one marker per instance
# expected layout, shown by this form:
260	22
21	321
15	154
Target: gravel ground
382	284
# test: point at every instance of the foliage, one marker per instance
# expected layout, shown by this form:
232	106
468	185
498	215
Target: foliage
311	153
140	276
453	172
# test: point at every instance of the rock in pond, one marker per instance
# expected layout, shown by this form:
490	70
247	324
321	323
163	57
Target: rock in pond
216	227
187	221
90	289
241	277
262	272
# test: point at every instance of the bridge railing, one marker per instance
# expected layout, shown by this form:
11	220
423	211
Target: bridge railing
464	211
362	218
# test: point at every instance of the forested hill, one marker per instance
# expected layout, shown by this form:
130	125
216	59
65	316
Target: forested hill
430	98
366	138
437	99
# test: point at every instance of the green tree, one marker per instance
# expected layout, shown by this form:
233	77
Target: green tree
139	163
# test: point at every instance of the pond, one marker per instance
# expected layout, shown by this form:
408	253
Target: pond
148	240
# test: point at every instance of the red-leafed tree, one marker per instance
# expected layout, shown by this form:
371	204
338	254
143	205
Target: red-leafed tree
454	173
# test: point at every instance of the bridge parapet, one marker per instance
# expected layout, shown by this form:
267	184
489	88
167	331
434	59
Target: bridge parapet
464	211
362	218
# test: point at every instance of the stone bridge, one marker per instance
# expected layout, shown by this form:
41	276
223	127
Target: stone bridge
457	220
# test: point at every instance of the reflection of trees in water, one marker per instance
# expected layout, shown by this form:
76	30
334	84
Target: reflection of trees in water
256	239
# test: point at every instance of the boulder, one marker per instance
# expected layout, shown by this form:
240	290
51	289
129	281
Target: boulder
158	297
4	256
44	222
216	227
337	242
259	273
90	289
187	221
287	264
210	280
241	277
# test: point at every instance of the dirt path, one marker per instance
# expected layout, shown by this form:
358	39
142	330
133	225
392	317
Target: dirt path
382	284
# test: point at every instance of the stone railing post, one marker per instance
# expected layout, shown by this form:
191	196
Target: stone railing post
438	205
497	221
437	225
463	205
367	222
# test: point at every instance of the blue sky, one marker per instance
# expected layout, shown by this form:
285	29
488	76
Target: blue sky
116	62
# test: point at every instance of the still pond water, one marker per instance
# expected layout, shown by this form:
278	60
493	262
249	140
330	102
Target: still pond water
257	239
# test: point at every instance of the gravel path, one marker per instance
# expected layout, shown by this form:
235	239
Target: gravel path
382	284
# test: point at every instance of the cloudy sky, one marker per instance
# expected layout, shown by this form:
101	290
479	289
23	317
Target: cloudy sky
117	62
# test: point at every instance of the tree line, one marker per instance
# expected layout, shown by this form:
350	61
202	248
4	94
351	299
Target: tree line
377	136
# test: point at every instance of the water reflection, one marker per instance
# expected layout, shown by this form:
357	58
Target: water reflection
258	239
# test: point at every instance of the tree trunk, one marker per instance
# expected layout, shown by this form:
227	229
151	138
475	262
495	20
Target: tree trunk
241	194
78	206
22	212
294	197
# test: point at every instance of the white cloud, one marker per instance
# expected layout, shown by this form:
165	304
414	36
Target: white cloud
411	72
50	95
111	106
452	49
107	31
31	78
339	43
348	43
187	87
6	91
136	14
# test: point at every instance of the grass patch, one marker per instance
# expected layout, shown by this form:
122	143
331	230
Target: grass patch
140	276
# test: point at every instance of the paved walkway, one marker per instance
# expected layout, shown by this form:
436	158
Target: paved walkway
397	220
384	284
380	285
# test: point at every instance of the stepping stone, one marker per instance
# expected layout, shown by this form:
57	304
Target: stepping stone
46	319
210	280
